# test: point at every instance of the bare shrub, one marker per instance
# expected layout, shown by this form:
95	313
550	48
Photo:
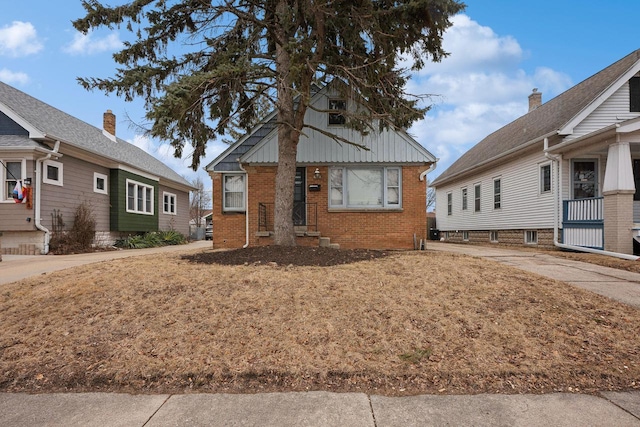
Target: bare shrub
80	237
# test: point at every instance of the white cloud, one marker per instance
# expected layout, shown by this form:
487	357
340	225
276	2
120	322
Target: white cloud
481	87
86	44
19	39
11	77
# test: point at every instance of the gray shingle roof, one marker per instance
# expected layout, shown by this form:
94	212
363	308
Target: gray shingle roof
547	118
70	130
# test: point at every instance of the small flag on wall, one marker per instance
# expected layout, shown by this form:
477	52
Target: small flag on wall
18	194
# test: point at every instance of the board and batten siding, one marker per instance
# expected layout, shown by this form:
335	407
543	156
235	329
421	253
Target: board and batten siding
77	187
179	221
613	110
522	204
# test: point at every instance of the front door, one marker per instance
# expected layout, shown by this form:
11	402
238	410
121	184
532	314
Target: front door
299	198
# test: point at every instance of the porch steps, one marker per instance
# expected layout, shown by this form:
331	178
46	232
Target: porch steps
325	242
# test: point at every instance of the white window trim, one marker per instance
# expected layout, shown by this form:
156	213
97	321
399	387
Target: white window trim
465	236
499	194
175	203
244	194
385	186
54	164
4	177
336	112
449	203
541	178
531	237
478	197
137	209
493	236
104	177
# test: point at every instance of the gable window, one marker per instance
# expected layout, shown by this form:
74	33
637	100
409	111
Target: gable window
449	203
545	178
476	195
584	179
100	183
12	172
375	187
634	95
139	198
52	172
337	105
497	193
169	203
464	199
233	193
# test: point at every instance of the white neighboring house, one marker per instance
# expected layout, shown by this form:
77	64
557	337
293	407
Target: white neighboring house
565	173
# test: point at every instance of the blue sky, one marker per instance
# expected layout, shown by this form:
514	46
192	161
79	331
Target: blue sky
500	50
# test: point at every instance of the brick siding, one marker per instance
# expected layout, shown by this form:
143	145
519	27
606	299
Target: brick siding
505	237
372	229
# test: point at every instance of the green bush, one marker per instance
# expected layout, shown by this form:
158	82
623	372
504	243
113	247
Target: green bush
152	240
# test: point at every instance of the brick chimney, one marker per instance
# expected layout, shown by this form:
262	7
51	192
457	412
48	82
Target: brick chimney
109	122
535	99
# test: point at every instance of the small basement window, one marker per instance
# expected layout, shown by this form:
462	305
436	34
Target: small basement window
531	237
493	236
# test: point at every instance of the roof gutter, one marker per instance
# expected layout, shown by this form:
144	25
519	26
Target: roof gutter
38	190
564	145
557	158
498	157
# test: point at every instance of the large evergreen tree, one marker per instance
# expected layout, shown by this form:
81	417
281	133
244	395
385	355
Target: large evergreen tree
202	65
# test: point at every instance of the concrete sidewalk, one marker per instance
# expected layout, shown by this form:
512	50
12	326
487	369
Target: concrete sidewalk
620	285
18	267
318	409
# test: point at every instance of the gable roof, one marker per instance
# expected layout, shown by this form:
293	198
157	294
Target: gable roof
546	120
260	146
45	121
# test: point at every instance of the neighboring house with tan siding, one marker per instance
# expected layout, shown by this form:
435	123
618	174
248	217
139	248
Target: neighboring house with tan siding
343	196
68	162
565	174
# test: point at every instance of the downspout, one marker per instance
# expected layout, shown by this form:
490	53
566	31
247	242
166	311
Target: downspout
556	215
246	205
431	169
423	176
38	189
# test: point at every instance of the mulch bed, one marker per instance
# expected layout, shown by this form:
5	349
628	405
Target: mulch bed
285	256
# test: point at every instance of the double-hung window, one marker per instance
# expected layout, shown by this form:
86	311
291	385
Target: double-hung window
12	172
449	203
497	193
140	198
233	190
365	188
476	195
169	203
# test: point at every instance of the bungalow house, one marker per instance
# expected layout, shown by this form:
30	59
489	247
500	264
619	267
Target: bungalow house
344	196
61	162
564	174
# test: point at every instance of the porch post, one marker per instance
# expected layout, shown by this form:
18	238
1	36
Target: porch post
618	191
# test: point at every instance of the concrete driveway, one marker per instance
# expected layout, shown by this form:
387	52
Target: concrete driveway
620	285
18	267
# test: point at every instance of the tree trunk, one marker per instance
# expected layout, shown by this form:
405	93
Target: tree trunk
285	179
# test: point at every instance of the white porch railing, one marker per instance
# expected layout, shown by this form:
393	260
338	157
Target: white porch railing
583	222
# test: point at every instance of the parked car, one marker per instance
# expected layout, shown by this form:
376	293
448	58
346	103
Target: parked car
208	232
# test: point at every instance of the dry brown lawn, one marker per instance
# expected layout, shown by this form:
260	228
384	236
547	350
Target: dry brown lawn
406	323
